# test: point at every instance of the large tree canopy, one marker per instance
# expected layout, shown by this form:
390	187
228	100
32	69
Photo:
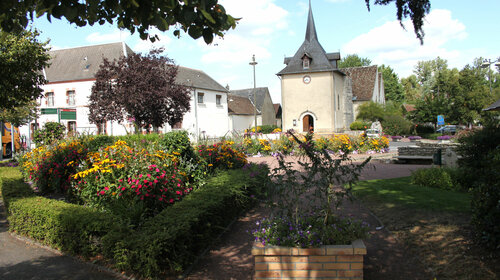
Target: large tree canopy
141	87
414	9
22	59
393	89
196	17
354	60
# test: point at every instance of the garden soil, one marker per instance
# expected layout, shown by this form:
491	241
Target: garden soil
230	257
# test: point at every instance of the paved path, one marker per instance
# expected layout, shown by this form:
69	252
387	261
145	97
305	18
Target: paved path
231	257
23	260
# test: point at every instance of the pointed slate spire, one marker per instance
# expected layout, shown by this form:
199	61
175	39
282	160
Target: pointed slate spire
311	28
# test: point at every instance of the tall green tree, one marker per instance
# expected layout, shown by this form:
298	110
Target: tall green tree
22	59
141	87
20	115
412	89
393	89
198	18
353	60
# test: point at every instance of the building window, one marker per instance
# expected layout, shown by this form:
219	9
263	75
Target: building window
101	128
50	99
70	97
218	99
200	97
71	127
305	62
338	102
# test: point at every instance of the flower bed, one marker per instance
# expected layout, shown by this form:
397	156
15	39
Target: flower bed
162	245
414	138
396	138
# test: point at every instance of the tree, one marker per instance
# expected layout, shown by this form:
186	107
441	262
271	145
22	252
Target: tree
139	87
353	60
414	9
196	17
412	89
19	115
392	87
371	111
472	96
22	59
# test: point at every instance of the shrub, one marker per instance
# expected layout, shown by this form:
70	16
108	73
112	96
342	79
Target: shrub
359	125
481	161
424	129
396	125
371	111
266	129
221	156
171	240
51	132
51	167
433	177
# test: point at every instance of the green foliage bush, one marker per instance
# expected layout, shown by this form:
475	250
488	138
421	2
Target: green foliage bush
266	129
396	125
424	129
359	125
164	244
171	240
481	161
435	177
51	132
371	111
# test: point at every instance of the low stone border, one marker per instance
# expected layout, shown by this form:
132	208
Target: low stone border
326	262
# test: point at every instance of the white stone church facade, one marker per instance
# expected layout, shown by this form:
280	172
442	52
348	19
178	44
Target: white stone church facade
317	95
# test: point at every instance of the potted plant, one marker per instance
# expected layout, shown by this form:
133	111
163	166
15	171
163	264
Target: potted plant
444	138
396	138
305	236
414	138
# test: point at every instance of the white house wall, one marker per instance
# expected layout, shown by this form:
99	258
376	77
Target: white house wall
213	119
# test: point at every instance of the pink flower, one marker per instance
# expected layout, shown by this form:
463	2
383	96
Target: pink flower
178	192
123	188
106	188
149	175
178	185
157	170
155	181
102	192
140	175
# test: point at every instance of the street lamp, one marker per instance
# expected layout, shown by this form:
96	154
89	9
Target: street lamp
486	64
253	63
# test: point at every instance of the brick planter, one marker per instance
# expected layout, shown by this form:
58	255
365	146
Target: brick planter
327	262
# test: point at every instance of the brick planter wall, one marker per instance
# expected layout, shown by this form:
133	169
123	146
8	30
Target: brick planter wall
327	262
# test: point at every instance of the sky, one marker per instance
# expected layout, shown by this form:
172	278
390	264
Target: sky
455	30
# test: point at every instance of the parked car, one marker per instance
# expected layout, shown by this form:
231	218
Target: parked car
447	129
372	133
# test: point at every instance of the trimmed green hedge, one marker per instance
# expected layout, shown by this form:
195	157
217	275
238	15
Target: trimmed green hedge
166	244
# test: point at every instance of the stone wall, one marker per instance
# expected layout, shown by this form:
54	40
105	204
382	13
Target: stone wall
327	262
425	149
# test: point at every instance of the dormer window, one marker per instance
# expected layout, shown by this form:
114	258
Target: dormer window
305	62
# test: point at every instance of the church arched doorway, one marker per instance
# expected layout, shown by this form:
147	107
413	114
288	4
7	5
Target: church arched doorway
308	123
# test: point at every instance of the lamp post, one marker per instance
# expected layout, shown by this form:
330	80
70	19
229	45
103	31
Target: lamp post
486	64
253	63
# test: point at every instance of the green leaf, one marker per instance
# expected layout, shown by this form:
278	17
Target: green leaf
208	16
208	36
195	32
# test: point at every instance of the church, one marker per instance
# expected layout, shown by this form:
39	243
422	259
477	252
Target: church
318	96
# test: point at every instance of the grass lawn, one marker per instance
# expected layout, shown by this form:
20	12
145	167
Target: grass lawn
433	224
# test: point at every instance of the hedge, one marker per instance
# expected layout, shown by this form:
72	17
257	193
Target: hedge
165	245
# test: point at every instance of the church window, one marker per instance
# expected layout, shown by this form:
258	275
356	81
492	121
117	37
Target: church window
305	62
200	97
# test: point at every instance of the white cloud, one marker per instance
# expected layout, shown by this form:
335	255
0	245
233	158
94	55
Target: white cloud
115	36
260	19
390	44
145	45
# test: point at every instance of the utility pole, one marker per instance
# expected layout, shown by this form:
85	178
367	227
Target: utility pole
253	63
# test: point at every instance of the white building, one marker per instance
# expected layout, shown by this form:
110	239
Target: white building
71	76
